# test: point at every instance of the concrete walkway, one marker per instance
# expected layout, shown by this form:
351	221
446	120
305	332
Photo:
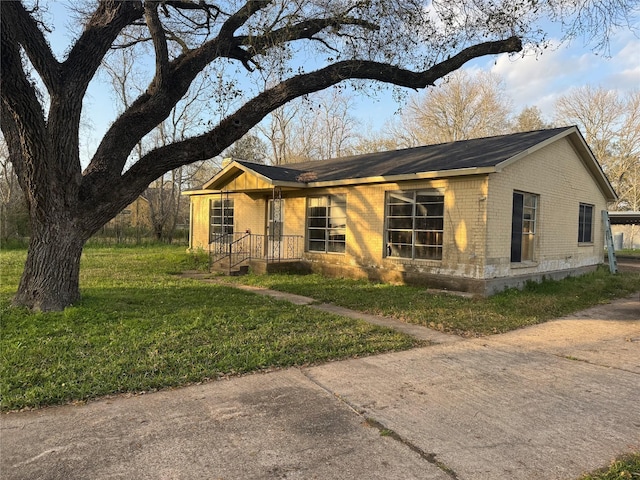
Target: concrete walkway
545	402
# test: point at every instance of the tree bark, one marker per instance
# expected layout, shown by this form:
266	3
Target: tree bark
67	204
51	276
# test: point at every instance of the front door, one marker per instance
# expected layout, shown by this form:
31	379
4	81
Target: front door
275	228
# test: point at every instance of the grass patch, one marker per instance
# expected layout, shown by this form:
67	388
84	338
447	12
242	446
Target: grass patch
625	467
503	312
628	252
139	328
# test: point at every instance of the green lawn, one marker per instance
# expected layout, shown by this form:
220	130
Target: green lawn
450	313
139	327
626	467
628	252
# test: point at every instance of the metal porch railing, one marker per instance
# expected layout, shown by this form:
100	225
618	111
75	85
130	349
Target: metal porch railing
232	249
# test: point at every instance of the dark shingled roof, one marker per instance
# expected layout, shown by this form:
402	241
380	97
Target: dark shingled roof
480	152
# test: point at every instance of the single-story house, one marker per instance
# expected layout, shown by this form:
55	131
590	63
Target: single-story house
476	215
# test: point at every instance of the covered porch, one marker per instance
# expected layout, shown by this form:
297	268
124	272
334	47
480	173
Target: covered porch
233	251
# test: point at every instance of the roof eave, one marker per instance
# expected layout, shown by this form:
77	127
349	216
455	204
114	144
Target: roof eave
190	193
459	172
586	154
535	148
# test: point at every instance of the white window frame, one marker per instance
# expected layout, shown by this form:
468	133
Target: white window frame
327	233
221	223
583	223
529	226
414	228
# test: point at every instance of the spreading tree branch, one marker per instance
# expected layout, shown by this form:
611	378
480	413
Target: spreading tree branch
23	29
20	112
235	21
101	30
300	31
159	44
164	159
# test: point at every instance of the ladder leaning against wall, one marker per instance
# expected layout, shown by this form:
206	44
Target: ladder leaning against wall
606	222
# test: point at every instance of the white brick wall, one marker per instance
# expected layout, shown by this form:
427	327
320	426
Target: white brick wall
477	223
557	175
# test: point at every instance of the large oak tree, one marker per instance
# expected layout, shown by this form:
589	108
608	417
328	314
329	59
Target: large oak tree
313	43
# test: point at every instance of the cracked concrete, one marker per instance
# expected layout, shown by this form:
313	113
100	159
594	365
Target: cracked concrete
545	402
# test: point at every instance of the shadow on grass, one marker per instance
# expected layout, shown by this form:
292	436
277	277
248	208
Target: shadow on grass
139	339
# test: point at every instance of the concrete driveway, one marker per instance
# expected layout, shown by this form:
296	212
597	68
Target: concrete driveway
545	402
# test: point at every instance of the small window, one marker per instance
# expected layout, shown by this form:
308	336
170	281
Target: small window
220	218
275	226
523	226
327	224
585	223
415	224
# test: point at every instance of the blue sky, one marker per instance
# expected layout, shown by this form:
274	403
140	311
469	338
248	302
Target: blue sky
541	80
530	80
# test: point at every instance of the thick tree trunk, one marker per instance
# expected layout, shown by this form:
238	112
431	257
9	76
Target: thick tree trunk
51	277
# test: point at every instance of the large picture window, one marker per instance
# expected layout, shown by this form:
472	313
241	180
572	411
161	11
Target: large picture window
523	226
220	217
585	223
327	223
415	224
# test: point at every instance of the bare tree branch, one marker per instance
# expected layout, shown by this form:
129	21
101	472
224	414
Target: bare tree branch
101	31
24	30
235	21
252	112
159	44
302	30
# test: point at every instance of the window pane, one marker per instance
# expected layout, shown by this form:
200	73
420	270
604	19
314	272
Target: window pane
527	226
404	210
587	233
318	222
530	200
316	246
326	223
335	247
338	211
336	233
400	236
337	222
426	223
399	198
318	212
220	217
414	224
436	209
428	238
317	234
527	247
402	251
401	223
585	223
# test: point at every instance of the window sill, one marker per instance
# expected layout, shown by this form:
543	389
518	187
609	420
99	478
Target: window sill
413	260
585	244
526	264
315	252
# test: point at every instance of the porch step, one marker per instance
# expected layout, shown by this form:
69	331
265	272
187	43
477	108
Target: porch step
242	270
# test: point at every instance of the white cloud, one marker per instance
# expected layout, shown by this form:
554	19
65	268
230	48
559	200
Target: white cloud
540	80
624	74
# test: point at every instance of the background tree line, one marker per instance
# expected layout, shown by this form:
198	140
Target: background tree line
467	104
